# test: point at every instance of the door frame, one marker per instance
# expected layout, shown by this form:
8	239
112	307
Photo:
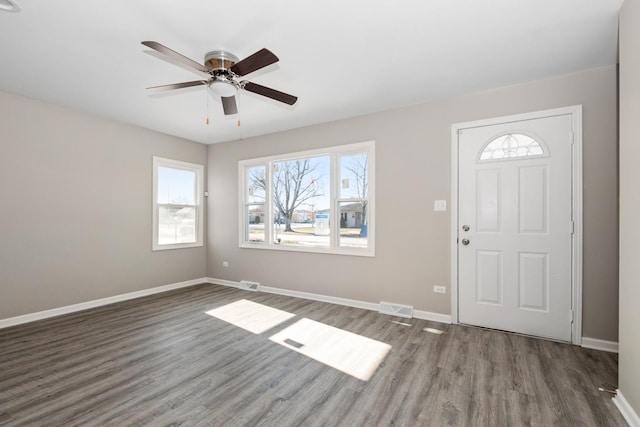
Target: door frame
576	205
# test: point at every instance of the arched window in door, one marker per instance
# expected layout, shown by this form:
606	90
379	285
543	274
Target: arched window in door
512	145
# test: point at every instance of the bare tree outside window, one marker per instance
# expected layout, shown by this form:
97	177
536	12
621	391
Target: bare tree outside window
257	184
294	183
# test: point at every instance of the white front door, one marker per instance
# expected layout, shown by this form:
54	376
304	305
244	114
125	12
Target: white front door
515	226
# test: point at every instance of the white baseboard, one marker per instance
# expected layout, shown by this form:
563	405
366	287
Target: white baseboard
322	298
18	320
596	344
418	314
626	410
434	317
223	282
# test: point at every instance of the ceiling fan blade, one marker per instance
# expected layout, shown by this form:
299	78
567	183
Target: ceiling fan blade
229	105
175	55
269	93
164	88
254	62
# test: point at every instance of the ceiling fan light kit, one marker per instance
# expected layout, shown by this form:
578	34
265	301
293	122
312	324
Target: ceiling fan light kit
223	69
224	87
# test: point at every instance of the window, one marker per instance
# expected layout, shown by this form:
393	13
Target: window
312	201
511	145
177	204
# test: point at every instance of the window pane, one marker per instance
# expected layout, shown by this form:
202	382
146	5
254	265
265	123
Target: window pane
176	225
354	176
300	194
254	220
176	186
256	184
511	145
353	225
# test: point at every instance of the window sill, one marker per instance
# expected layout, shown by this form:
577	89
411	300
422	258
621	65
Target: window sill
327	251
177	246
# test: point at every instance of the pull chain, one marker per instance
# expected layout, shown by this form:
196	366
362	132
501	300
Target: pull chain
206	93
239	100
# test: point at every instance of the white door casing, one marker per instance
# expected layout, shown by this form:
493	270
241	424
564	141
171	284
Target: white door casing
521	268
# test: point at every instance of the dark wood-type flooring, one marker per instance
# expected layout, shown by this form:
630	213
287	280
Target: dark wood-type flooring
160	360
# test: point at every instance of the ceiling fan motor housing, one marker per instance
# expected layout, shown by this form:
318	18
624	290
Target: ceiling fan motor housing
219	60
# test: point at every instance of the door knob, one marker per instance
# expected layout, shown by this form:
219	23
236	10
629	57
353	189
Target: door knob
465	228
465	242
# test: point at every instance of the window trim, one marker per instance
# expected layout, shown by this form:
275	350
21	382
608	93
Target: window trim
334	153
159	162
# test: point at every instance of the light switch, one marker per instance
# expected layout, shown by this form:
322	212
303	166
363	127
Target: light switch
439	205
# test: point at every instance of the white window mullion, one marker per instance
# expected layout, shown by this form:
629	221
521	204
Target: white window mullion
335	222
269	214
242	185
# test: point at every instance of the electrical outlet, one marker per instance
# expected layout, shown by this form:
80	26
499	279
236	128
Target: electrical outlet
440	289
225	263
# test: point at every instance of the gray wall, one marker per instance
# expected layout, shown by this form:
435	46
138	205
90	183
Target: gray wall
629	361
75	208
413	152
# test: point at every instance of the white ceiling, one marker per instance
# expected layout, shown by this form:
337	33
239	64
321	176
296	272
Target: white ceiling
342	58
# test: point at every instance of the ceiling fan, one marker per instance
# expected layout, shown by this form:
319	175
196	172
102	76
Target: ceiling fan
223	69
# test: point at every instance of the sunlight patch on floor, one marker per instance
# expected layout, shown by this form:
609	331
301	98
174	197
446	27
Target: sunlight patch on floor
350	353
400	323
251	316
